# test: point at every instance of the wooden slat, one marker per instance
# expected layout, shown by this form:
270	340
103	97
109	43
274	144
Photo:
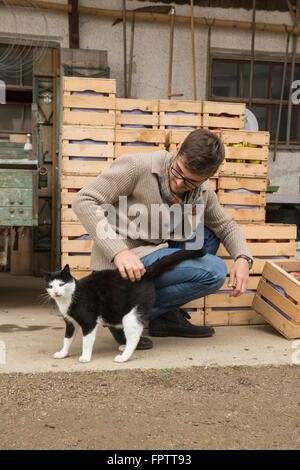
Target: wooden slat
76	246
136	119
180	105
279	300
244	169
127	104
216	107
241	199
258	264
87	150
266	249
82	167
246	215
89	102
72	230
140	135
287	328
252	184
75	182
66	198
88	118
68	215
177	120
81	263
99	85
232	317
222	122
269	231
133	149
80	274
97	134
247	137
274	273
247	153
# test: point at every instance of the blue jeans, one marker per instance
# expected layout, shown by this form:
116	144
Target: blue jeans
190	279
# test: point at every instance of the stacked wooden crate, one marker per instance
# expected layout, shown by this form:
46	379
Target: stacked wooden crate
98	127
242	177
241	191
137	127
88	139
222	115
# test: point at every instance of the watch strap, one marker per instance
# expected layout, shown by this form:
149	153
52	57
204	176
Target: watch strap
250	260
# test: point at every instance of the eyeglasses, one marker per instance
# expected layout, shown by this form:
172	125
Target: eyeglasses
186	181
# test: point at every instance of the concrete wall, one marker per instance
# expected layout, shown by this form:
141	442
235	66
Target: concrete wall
151	52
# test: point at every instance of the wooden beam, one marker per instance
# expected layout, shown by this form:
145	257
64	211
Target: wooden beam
74	25
54	189
252	53
43	5
158	18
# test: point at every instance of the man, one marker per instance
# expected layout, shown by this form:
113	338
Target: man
175	179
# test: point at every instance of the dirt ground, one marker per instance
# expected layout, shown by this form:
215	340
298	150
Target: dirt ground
175	409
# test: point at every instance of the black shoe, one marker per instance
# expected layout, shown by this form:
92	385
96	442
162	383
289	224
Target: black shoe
174	323
118	334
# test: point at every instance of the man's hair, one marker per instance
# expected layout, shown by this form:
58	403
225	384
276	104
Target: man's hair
202	151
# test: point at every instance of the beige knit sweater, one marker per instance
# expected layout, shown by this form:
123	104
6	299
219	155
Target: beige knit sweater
137	177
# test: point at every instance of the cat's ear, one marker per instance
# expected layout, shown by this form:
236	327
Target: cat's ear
66	270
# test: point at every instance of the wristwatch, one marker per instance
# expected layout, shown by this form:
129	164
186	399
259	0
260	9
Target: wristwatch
250	260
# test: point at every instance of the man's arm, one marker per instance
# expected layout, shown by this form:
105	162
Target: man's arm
117	181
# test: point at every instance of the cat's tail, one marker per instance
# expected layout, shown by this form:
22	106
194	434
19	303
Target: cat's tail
170	261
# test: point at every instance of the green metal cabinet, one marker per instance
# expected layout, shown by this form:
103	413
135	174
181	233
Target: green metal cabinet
18	186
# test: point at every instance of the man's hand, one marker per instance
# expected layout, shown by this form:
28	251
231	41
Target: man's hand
238	278
129	265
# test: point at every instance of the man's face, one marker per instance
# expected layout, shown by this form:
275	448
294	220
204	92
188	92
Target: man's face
179	185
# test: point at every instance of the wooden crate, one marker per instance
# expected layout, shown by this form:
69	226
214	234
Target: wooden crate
246	154
138	141
265	242
136	113
222	115
89	101
244	199
278	297
221	309
76	249
86	150
177	114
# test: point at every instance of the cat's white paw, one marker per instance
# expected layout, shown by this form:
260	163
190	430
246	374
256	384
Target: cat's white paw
60	355
120	358
122	347
84	359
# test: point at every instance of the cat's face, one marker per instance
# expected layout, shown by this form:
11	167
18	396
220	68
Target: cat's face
61	284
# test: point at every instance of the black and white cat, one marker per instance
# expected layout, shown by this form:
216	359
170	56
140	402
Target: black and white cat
105	298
